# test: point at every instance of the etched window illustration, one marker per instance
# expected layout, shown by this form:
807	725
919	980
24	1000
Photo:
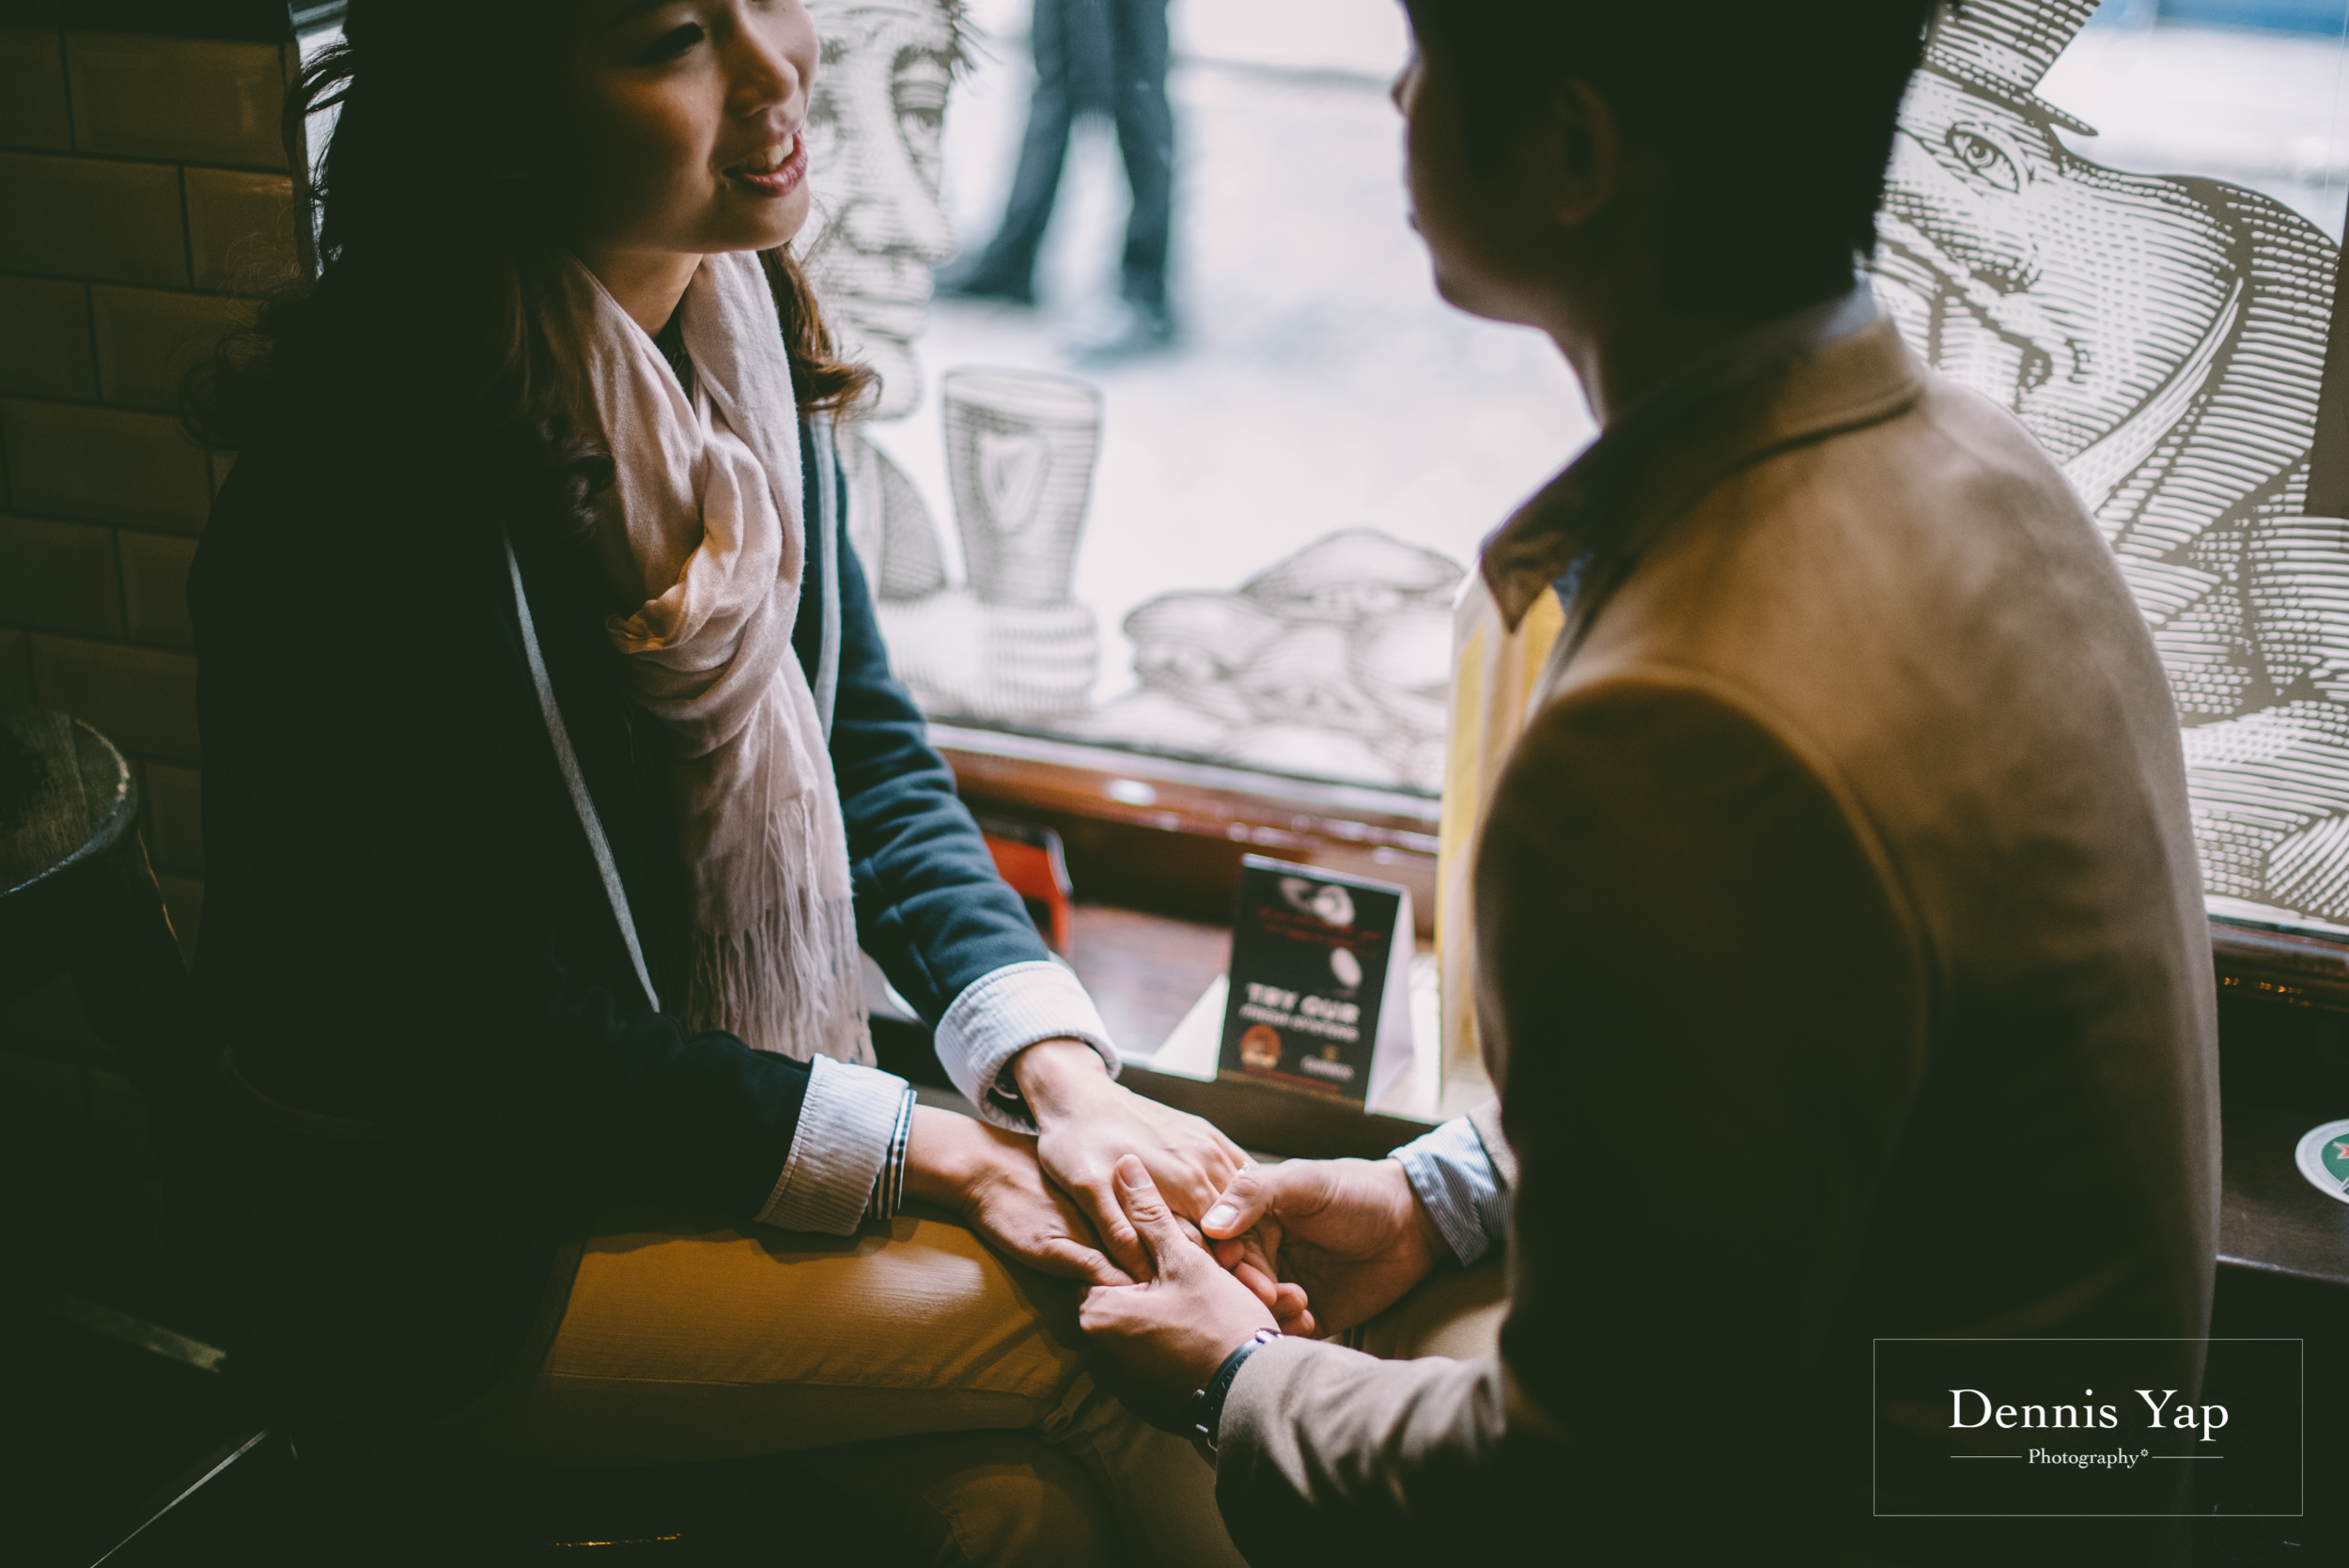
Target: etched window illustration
2163	336
1241	548
1258	613
874	129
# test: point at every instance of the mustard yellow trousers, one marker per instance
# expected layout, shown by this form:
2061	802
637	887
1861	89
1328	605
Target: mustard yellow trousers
918	1371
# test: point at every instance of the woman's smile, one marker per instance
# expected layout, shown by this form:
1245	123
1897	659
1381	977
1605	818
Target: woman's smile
775	171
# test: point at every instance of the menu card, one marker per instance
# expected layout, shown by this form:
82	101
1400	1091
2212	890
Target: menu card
1319	998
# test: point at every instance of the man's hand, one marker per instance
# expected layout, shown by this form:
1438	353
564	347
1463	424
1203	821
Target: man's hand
1350	1232
1088	1122
1168	1334
991	1179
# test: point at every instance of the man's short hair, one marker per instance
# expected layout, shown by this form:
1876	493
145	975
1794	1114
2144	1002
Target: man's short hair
1776	116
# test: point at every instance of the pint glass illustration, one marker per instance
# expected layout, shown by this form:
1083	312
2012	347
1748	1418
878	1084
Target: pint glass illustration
1020	446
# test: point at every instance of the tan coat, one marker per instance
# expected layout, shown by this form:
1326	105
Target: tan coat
1841	963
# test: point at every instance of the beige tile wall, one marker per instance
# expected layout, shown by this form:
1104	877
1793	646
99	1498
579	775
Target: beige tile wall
147	200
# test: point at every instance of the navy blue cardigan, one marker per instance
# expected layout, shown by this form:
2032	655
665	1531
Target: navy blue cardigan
403	923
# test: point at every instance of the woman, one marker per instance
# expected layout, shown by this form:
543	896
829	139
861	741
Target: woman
555	774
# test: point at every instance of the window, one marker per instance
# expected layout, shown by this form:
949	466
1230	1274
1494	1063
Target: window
1242	547
2125	229
2123	226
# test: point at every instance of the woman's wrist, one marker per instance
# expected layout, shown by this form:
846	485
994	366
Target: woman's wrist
946	1154
1054	1076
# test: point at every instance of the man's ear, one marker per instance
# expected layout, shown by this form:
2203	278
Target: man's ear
1581	149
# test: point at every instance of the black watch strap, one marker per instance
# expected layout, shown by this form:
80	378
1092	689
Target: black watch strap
1207	1404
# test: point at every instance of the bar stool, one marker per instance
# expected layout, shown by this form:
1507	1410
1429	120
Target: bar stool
77	899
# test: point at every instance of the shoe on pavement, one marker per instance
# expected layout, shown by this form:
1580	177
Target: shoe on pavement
1127	330
964	280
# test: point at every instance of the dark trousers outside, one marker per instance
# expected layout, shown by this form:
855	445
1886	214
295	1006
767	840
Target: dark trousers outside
1093	54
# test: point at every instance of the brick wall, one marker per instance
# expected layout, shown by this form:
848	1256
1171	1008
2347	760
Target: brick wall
143	197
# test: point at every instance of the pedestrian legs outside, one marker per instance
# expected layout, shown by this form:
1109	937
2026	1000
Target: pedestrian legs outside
1146	137
1107	55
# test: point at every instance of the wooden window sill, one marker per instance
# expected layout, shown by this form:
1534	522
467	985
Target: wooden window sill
1157	846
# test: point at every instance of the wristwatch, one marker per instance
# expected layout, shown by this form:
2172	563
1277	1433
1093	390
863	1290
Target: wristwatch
1207	1404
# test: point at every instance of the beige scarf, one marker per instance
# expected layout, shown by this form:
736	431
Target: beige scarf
701	530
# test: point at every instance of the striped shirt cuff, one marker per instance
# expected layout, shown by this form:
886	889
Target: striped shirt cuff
1002	1014
1454	1177
847	1125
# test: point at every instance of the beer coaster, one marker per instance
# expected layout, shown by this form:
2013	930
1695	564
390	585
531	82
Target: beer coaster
2324	1159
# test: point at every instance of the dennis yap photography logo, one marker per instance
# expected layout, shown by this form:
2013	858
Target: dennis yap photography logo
1971	1410
2018	1427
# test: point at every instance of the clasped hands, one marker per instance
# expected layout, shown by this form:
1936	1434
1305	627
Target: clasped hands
1197	1249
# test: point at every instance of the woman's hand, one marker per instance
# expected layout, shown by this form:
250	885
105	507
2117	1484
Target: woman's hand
990	1178
1088	1123
1351	1232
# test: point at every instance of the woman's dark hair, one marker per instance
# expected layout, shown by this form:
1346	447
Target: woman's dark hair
1776	115
437	293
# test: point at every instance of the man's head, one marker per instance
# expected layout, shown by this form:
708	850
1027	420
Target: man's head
1745	140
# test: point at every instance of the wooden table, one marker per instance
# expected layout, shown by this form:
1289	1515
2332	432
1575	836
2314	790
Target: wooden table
1146	972
2283	1069
2270	1220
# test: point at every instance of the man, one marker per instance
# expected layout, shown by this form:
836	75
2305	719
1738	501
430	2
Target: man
1837	947
1097	55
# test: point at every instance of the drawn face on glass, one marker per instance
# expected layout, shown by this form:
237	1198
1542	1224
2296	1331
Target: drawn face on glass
875	128
2072	292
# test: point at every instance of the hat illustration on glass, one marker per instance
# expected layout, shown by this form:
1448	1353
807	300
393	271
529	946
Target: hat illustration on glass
2002	49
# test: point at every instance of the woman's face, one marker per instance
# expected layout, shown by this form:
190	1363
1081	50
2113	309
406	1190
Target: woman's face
678	126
